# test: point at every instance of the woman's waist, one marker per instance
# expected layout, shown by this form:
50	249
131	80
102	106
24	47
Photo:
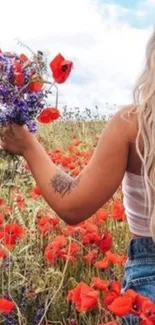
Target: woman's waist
139	227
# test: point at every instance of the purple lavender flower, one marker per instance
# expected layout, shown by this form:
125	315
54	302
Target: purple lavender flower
23	302
39	315
32	125
18	104
9	320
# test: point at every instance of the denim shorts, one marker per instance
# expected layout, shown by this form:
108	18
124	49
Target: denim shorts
140	271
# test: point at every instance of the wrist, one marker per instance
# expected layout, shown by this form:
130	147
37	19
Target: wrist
31	148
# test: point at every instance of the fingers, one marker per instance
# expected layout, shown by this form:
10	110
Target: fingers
5	138
11	129
7	131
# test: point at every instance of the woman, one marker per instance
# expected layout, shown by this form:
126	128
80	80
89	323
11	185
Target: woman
125	152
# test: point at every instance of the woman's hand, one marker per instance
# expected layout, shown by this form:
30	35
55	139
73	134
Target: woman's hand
17	139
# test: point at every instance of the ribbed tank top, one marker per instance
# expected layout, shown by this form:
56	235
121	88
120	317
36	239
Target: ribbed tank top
134	203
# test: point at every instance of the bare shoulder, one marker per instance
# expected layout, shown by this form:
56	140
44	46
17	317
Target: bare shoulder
125	122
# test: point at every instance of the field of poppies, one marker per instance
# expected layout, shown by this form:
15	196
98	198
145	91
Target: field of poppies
52	273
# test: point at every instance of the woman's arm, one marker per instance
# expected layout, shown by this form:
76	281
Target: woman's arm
75	200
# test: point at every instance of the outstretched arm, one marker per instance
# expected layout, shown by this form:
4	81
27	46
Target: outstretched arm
76	199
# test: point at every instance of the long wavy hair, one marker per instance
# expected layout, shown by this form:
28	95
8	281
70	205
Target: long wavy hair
144	100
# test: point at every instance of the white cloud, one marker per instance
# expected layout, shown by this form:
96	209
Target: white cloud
150	3
107	53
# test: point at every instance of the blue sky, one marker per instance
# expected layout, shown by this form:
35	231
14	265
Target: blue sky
124	3
139	13
105	39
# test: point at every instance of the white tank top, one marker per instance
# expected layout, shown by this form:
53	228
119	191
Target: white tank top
134	203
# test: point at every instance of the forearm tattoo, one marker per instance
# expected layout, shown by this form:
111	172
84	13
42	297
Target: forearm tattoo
63	183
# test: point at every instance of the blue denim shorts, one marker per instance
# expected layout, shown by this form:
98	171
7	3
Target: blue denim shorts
140	271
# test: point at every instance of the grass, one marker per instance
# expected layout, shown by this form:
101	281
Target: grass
39	289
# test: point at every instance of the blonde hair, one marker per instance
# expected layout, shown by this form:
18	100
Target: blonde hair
144	100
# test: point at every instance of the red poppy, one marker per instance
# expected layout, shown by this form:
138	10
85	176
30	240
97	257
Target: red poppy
20	202
74	248
59	241
68	230
100	284
6	210
91	256
118	212
23	58
116	258
115	286
109	298
100	216
71	166
131	293
65	161
35	192
143	304
14	229
60	68
76	172
17	66
50	256
146	305
3	253
69	252
1	218
6	305
19	78
35	86
148	321
2	202
121	306
52	249
11	233
105	243
91	238
130	303
84	297
89	227
46	224
103	264
110	258
48	115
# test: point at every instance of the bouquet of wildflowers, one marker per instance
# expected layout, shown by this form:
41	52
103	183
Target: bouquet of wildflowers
23	90
23	94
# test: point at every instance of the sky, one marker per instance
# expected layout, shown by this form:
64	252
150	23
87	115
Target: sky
105	39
